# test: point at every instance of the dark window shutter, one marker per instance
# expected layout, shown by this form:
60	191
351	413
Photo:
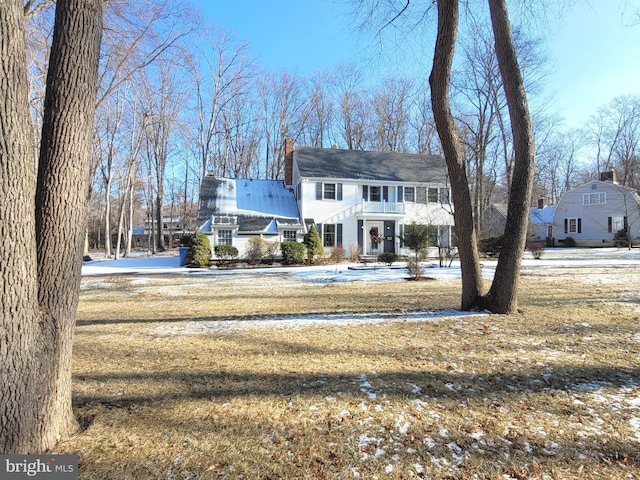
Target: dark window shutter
609	225
566	225
361	234
365	193
318	190
401	234
319	228
339	235
579	225
339	192
400	194
385	193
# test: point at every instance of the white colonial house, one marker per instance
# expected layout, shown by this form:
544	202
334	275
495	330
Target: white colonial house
592	213
357	200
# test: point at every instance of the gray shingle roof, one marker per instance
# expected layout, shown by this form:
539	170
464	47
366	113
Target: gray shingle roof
364	165
255	204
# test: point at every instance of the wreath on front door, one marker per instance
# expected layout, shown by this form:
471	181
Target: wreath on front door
376	238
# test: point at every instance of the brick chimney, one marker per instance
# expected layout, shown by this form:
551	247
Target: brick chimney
288	161
608	176
541	203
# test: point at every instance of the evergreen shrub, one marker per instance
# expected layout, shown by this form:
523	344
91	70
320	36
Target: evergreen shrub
293	253
199	253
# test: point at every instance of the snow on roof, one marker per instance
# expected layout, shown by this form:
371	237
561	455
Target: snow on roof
542	215
255	197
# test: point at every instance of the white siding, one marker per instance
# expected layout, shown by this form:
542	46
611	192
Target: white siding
594	217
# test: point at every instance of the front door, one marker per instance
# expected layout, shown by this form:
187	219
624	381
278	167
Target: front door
375	238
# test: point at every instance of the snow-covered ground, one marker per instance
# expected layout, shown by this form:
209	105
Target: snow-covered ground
556	258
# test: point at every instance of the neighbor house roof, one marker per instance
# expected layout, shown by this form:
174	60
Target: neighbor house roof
542	215
258	205
365	165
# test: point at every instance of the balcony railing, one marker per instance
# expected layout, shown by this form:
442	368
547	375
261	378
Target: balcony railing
383	207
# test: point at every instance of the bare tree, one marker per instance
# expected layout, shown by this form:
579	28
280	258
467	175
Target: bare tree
284	115
439	80
352	107
614	132
391	102
162	104
423	136
221	75
42	246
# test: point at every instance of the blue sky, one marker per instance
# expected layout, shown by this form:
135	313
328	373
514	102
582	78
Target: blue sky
594	52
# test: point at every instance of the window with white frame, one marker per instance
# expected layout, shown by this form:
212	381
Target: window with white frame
329	234
224	237
375	194
289	235
410	194
598	198
432	195
443	195
572	225
329	191
616	224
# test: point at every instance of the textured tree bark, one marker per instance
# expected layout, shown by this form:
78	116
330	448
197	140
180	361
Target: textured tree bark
20	316
42	246
61	201
439	80
502	296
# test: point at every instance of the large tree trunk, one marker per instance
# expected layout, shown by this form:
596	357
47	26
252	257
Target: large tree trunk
18	273
502	297
439	80
35	391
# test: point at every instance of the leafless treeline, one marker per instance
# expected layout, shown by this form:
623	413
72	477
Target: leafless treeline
179	99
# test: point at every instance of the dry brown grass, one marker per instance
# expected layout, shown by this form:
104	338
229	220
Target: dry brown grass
165	390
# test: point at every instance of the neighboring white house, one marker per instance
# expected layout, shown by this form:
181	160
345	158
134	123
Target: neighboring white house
592	213
357	200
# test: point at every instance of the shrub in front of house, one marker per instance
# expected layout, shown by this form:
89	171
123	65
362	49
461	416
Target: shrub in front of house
225	253
313	242
621	238
536	247
491	246
387	257
199	253
338	254
271	251
569	242
293	253
256	249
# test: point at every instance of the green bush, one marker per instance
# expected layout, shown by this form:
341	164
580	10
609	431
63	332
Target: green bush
313	242
293	253
569	242
185	240
226	253
491	246
199	253
387	257
621	238
417	238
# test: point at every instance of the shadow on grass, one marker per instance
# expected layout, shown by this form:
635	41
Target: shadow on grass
393	385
